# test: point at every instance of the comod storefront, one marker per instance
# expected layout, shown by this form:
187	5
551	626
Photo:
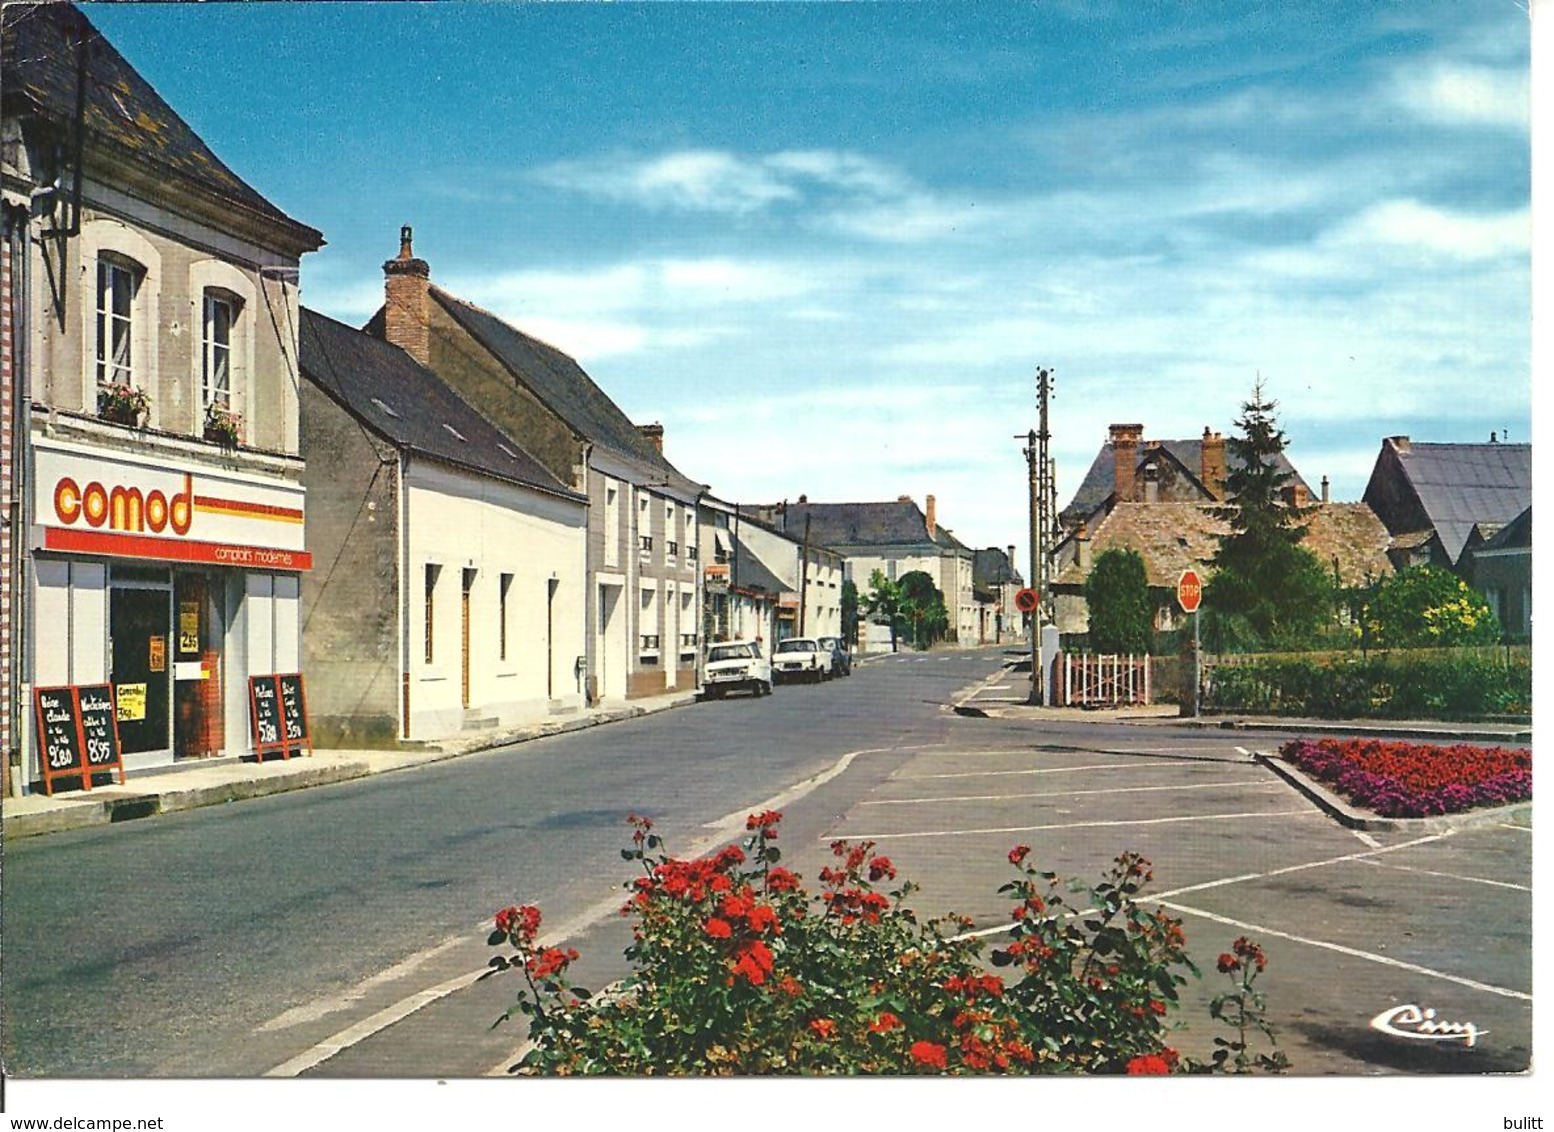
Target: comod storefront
174	584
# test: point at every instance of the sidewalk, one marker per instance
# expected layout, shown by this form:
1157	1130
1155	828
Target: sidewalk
211	782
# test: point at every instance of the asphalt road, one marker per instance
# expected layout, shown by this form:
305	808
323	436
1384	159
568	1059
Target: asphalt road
336	932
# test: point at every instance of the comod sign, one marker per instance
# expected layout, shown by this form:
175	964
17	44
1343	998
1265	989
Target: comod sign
90	502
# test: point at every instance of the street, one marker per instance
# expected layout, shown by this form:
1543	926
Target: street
338	931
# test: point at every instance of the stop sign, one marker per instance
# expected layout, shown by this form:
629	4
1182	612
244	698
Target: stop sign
1189	591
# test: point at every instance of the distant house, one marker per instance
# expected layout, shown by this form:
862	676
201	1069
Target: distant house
996	582
895	538
1131	469
1501	569
447	593
1347	538
643	584
1437	500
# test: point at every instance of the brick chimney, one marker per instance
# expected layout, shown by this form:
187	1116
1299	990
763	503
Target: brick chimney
1011	562
1325	488
1402	444
654	435
406	287
1082	548
931	514
1125	450
1213	463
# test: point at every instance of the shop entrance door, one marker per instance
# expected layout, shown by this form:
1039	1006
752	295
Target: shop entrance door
139	621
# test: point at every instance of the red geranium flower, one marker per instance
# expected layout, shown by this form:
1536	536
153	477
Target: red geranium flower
928	1054
1149	1065
1228	962
781	880
1018	854
719	929
885	1023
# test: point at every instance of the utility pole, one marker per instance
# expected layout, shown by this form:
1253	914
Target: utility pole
1039	470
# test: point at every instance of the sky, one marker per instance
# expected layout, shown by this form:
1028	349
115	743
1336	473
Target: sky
828	246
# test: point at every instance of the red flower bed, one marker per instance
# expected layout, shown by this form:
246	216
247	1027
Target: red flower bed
1410	780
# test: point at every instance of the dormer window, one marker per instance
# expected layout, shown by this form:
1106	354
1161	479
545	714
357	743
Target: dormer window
221	313
118	280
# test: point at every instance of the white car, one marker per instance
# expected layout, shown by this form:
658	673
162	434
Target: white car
737	664
801	658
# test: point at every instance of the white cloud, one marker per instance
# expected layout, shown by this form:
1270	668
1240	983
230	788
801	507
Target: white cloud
1457	94
689	180
1426	229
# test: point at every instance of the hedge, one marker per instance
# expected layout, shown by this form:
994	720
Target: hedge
1434	685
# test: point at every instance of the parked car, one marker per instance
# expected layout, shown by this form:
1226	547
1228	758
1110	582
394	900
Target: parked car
801	658
733	665
841	659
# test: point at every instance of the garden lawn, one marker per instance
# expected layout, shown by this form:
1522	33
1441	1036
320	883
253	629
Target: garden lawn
1407	780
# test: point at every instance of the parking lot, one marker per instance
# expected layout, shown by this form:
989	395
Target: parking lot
1358	927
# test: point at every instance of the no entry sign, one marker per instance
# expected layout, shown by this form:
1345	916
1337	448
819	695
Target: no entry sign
1189	591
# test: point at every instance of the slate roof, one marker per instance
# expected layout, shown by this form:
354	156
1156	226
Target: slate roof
410	406
1460	485
558	381
1173	536
1516	533
1101	479
991	567
38	55
898	523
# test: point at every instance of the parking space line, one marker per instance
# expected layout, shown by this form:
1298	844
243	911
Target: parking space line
1384	960
1513	825
1322	864
1069	793
1307	812
1447	876
1367	838
1047	770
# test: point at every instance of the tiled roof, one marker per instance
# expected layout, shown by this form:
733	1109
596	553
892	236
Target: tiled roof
1101	479
558	381
1173	536
410	406
1459	485
38	56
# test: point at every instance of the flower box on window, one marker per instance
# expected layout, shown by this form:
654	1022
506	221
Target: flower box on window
122	404
223	426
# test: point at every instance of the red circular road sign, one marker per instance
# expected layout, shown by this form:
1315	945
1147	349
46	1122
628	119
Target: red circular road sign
1025	601
1189	591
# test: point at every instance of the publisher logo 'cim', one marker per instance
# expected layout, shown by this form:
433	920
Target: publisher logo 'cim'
121	508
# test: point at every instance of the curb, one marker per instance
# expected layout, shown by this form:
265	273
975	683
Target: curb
1348	816
1466	731
82	811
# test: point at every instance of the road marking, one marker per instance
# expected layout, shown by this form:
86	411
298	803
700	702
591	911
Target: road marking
1309	812
997	688
1043	770
1322	864
603	910
1367	838
1070	793
1384	960
1513	825
1449	876
333	1004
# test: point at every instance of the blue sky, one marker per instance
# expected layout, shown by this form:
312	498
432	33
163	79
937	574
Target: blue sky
828	245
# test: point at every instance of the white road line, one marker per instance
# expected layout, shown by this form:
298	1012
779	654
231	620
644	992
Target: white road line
1322	864
1047	770
1309	812
1070	793
1513	825
1367	838
605	909
1449	876
333	1004
1356	953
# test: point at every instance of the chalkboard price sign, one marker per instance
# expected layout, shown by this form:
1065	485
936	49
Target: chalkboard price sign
78	733
279	714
